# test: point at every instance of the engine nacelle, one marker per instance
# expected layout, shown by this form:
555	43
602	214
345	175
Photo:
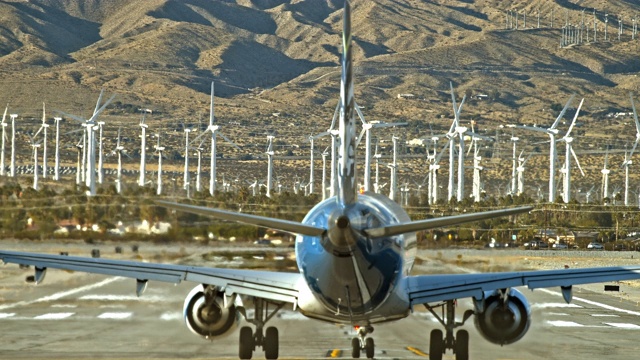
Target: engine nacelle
206	314
504	317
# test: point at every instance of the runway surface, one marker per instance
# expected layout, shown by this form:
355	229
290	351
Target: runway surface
82	316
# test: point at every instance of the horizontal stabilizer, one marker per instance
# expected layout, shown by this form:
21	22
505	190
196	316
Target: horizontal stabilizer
413	226
278	224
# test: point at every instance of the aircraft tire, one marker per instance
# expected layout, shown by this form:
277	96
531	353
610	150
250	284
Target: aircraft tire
436	345
271	343
462	345
246	342
369	348
355	348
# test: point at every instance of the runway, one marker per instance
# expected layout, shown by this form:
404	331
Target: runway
82	316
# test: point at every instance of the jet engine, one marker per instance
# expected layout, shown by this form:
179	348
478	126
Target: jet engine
504	317
207	314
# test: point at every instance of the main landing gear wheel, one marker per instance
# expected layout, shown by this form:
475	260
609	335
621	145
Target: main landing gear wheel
369	348
462	345
271	343
436	345
247	344
355	348
362	342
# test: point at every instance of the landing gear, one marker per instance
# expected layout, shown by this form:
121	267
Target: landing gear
438	344
269	340
362	342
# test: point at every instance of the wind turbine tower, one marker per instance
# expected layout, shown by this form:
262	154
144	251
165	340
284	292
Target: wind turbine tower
56	169
100	152
605	176
160	150
12	169
119	149
35	163
514	168
311	164
627	162
393	186
186	179
270	154
4	125
143	151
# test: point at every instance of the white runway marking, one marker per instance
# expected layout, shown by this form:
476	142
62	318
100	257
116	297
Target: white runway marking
62	294
554	305
53	316
64	306
594	303
171	316
115	315
624	326
557	314
6	315
564	324
108	297
605	315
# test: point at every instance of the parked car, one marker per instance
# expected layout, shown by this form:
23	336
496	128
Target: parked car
560	246
620	247
595	246
536	245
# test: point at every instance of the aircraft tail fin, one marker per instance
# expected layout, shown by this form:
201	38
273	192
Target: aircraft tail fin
347	186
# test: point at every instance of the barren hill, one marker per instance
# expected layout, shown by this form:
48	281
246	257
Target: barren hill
281	57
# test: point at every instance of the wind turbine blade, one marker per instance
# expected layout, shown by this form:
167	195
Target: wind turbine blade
385	125
360	114
574	118
99	100
577	161
364	130
211	106
562	112
73	117
441	153
335	116
229	141
606	156
73	131
635	114
104	106
44	119
453	100
635	144
198	137
38	132
118	141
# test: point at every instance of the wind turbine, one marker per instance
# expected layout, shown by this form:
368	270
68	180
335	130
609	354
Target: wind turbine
143	151
514	168
569	152
56	169
311	140
186	178
160	150
520	169
460	130
588	193
119	149
100	152
552	132
627	162
79	166
35	147
605	176
325	153
44	127
377	157
89	147
270	154
4	125
12	169
199	150
366	132
394	170
215	131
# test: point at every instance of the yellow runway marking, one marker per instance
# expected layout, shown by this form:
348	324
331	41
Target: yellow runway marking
335	353
417	351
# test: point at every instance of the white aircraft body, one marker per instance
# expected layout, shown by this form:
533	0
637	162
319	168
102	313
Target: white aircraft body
354	253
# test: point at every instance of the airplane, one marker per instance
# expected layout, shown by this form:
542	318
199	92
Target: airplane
354	252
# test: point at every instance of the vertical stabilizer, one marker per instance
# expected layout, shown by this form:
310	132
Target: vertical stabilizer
346	150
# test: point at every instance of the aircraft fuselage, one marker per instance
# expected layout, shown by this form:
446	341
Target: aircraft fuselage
363	284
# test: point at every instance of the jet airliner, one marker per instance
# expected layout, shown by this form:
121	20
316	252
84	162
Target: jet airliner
355	252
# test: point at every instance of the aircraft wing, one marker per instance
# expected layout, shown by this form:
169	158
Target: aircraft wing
433	288
276	286
397	229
